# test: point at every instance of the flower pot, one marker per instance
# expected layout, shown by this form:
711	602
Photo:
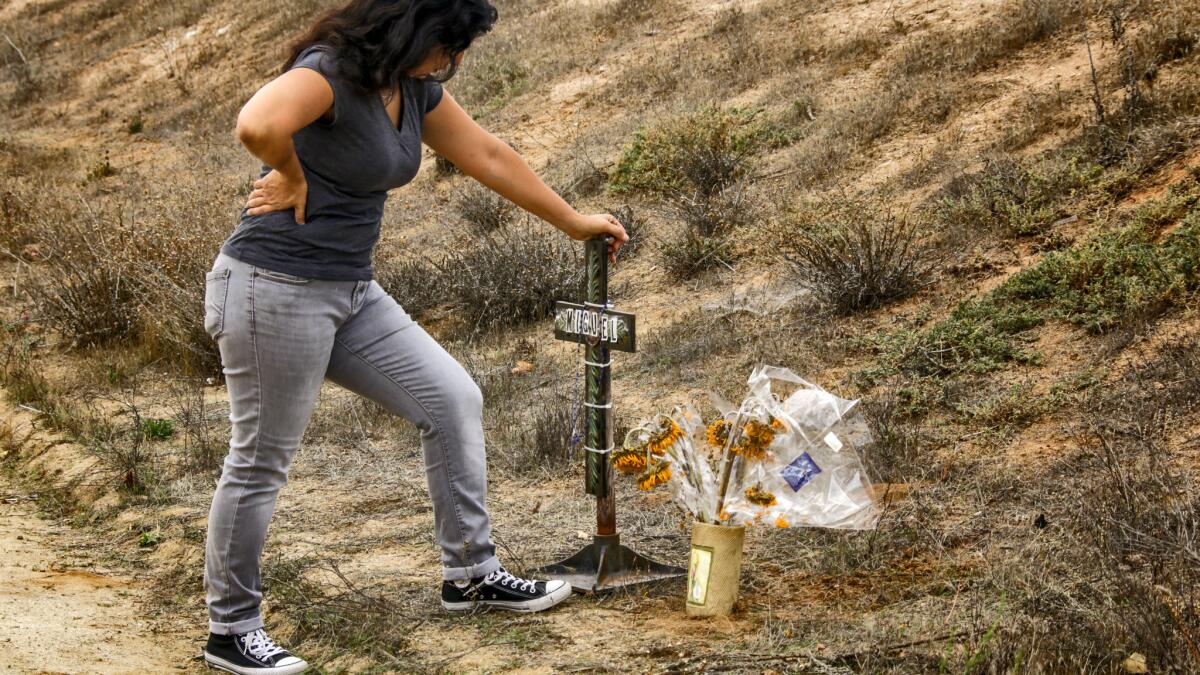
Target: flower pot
714	567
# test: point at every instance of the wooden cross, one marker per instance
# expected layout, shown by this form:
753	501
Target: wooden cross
604	564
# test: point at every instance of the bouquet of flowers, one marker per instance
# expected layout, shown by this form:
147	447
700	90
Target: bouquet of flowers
790	461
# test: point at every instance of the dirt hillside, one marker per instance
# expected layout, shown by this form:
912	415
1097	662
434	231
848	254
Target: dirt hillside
980	219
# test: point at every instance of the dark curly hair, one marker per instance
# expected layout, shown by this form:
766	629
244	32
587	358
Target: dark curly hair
378	41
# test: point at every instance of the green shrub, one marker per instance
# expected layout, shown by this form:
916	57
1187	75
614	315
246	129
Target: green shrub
698	154
1117	277
155	428
1014	197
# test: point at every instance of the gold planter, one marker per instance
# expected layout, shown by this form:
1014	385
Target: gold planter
714	567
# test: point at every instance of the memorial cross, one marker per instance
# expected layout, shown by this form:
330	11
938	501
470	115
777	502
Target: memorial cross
604	564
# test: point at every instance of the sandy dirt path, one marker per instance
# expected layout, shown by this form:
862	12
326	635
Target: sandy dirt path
59	616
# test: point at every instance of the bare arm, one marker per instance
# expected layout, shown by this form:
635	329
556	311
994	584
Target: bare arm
265	126
451	132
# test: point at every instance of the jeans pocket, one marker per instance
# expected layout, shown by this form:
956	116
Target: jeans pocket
216	291
281	277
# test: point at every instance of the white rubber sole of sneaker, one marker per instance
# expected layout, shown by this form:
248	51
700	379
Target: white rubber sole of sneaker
545	602
221	664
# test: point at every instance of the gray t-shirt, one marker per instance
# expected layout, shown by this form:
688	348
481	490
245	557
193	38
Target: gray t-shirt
350	164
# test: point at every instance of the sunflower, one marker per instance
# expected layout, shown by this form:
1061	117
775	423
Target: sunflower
718	433
629	461
756	495
657	475
756	437
666	435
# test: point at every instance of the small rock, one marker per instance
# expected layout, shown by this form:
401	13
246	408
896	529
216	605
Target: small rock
1135	663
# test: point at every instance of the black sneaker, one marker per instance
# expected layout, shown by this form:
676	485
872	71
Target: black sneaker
251	653
501	589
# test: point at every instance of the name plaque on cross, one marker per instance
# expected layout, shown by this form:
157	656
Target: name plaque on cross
585	324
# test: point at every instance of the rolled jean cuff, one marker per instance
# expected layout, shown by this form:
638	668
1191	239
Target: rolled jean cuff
237	627
481	569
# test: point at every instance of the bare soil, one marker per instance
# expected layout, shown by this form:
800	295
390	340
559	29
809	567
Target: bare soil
62	611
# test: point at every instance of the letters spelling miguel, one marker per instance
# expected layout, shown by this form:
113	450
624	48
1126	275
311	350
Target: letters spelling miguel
590	323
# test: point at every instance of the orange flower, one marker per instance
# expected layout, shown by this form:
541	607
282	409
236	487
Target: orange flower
657	475
780	522
759	496
666	436
629	461
756	437
718	433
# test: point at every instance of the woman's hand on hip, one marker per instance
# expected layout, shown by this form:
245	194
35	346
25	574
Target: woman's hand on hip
276	192
596	224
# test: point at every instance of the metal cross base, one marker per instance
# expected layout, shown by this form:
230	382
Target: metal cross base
606	565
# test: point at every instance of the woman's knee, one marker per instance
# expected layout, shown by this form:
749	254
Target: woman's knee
256	470
465	396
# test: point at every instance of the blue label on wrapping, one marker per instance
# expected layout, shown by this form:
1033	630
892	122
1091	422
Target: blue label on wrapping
800	472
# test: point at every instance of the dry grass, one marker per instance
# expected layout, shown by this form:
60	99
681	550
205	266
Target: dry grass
333	614
1119	557
1018	24
110	273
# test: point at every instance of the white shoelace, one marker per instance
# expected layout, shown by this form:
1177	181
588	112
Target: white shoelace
504	578
259	645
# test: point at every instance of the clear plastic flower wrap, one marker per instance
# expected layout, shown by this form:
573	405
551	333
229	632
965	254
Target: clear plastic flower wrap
791	461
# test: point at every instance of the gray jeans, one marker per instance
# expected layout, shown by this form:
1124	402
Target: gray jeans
280	336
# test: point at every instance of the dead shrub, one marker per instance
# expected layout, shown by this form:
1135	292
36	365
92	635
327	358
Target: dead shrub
1018	24
861	258
635	226
498	72
106	273
511	276
538	433
895	455
414	283
483	209
704	225
1036	114
20	65
837	136
612	16
203	448
443	167
84	292
582	176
